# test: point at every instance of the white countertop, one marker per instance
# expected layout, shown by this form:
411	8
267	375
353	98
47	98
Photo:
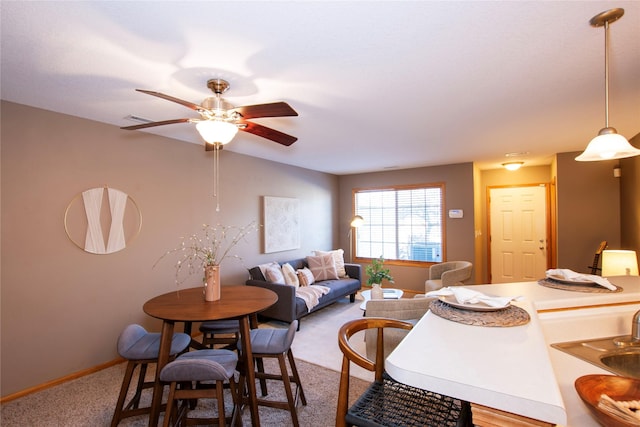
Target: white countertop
545	298
513	368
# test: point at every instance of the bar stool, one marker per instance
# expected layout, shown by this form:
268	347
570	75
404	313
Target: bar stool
216	366
225	332
140	347
276	343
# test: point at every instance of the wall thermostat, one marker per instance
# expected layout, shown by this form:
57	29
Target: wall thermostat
456	213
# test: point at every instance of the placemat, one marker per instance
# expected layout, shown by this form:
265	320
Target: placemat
550	283
510	316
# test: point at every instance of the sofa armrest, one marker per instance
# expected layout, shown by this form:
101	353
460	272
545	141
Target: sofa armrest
285	308
354	271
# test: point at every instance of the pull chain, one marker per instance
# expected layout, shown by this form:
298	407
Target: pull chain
216	175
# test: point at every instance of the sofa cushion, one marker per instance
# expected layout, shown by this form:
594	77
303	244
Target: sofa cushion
274	274
263	269
338	258
305	277
323	267
290	276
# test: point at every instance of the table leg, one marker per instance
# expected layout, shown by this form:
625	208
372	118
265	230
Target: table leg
245	337
163	359
193	344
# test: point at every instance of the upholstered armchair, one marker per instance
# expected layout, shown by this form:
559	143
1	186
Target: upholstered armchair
448	273
407	309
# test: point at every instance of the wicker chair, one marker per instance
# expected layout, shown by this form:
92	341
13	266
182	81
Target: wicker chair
387	402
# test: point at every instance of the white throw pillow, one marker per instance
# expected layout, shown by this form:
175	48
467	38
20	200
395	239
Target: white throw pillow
274	274
338	258
305	276
263	267
290	276
323	267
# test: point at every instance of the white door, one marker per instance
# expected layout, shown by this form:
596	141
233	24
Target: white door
518	233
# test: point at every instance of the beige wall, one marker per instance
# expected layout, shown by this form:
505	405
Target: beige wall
63	308
459	188
630	201
588	210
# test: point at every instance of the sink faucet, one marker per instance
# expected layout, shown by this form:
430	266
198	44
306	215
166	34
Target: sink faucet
634	338
635	327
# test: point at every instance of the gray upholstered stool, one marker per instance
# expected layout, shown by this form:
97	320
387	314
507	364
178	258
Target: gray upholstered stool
225	332
140	347
211	366
276	343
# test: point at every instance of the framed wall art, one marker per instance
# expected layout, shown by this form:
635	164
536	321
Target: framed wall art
281	224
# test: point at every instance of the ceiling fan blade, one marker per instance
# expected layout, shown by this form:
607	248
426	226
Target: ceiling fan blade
172	99
275	109
265	132
152	124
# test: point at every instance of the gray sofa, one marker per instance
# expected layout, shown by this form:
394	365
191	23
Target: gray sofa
289	307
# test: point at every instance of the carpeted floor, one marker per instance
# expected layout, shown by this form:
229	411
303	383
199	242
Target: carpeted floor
317	339
89	401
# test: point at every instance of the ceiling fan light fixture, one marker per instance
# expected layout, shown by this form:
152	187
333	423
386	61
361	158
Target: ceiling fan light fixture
216	131
512	166
608	145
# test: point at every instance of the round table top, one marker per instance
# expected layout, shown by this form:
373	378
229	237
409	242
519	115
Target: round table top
188	305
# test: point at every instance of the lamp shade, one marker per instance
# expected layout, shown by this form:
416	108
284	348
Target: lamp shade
619	263
217	131
608	146
357	221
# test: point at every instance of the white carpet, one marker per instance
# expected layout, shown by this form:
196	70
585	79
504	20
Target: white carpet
317	340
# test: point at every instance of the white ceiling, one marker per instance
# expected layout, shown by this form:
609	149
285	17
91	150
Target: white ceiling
377	85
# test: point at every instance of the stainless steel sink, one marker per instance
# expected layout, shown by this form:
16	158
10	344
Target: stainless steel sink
618	355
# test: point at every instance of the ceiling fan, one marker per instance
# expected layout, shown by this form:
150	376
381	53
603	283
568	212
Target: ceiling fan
219	120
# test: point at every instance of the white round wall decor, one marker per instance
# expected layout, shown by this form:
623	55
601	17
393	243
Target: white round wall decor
99	212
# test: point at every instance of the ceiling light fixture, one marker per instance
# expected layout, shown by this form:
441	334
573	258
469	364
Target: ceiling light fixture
512	166
216	131
609	144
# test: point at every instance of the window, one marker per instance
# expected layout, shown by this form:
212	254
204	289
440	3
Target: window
403	223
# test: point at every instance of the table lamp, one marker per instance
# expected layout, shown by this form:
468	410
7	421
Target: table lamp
619	263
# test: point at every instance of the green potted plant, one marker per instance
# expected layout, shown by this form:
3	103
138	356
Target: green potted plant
377	273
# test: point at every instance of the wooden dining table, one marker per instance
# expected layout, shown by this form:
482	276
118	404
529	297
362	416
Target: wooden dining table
188	305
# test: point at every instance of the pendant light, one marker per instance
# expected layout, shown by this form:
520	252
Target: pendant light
609	144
